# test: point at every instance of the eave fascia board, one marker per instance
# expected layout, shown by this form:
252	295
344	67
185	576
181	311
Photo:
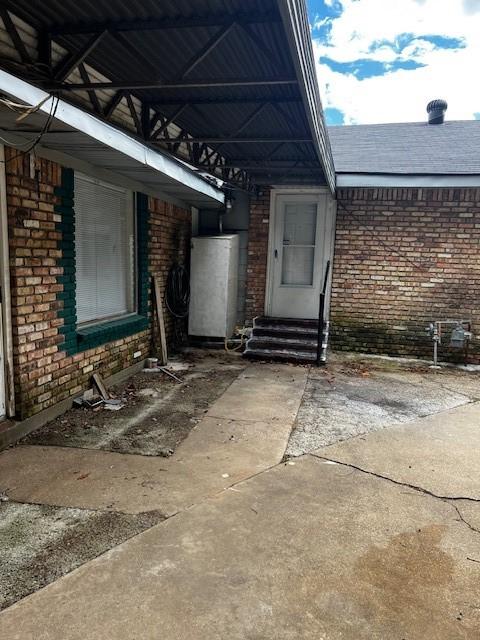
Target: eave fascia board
108	135
346	180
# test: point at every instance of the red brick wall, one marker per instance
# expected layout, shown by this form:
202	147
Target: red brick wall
257	255
44	374
404	257
169	242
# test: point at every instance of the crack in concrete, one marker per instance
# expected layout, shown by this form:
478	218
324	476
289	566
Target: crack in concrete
397	482
446	499
468	524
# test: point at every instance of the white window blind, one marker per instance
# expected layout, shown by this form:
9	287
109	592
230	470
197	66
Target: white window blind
104	243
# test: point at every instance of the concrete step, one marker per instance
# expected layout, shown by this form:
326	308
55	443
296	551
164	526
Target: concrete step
285	355
278	344
285	331
262	321
285	339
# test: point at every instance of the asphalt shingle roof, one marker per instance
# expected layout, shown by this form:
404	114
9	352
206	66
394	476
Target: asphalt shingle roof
414	148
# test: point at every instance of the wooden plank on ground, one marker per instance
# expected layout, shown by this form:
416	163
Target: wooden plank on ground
162	354
100	386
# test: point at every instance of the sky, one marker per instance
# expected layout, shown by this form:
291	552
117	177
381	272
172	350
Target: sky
384	60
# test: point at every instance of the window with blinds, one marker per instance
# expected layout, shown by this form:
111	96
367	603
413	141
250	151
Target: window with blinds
105	250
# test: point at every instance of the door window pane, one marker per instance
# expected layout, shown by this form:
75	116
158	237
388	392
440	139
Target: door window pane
300	224
298	251
297	265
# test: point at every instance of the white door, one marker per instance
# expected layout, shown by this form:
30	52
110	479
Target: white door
301	247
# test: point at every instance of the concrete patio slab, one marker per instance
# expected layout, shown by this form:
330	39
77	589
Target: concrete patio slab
307	550
263	392
357	396
440	453
217	453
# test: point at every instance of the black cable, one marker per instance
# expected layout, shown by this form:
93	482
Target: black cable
177	296
45	128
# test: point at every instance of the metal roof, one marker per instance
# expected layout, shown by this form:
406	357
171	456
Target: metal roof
229	85
411	148
78	136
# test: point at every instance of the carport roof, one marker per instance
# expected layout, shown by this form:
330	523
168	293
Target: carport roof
235	77
75	135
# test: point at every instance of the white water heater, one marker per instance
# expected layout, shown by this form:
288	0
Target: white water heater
213	286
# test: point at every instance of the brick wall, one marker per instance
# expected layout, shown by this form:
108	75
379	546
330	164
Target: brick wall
257	255
404	257
45	371
169	242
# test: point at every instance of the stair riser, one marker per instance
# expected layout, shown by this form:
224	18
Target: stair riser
284	357
285	339
290	322
258	343
298	334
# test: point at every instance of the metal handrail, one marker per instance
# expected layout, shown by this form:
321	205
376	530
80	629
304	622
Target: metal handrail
321	313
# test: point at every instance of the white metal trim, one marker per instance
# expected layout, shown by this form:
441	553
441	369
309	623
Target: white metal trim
107	175
108	135
5	285
397	180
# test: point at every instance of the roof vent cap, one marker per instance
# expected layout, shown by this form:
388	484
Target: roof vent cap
436	111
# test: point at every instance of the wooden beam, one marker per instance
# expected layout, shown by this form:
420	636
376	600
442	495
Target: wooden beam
162	351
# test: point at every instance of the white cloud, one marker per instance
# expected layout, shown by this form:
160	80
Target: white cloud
402	95
471	6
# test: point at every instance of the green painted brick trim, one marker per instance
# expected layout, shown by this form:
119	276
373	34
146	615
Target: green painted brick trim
99	334
77	340
143	279
66	226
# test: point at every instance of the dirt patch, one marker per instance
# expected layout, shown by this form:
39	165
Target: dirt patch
39	544
158	412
